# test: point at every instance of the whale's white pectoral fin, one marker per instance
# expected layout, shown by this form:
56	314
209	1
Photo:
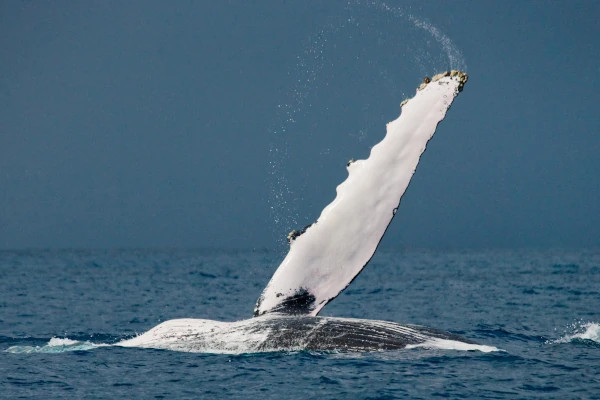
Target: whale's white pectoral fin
324	259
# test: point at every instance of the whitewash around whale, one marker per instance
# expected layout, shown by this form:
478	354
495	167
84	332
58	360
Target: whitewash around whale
326	256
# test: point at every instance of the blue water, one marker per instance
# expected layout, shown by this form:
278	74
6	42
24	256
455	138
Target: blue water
542	308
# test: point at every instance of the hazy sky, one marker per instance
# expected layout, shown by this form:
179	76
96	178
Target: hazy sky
229	123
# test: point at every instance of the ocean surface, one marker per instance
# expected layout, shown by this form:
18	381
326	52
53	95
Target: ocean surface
60	311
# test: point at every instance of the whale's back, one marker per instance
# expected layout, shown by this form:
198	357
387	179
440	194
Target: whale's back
277	332
348	334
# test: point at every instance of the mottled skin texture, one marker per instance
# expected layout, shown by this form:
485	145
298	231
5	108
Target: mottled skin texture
328	334
281	332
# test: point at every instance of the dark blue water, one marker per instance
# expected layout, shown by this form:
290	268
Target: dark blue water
541	307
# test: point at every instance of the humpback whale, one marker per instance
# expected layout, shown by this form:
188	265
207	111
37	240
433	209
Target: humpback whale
327	255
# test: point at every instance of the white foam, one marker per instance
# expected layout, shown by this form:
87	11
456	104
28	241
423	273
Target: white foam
583	331
444	344
57	345
592	332
62	342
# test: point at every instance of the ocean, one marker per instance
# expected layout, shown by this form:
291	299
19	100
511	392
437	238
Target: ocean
60	311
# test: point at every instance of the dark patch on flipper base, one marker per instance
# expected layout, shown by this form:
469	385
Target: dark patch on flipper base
300	303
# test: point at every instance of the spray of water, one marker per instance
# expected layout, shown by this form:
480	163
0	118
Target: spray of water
282	198
56	345
455	57
580	331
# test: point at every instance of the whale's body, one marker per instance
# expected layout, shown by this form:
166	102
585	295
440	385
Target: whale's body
325	257
289	333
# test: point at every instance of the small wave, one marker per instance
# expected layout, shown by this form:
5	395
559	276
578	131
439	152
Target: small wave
445	344
56	345
582	331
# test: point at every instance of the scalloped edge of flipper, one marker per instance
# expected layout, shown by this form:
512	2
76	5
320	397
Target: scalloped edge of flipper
325	257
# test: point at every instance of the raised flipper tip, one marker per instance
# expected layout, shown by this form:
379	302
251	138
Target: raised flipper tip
462	77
